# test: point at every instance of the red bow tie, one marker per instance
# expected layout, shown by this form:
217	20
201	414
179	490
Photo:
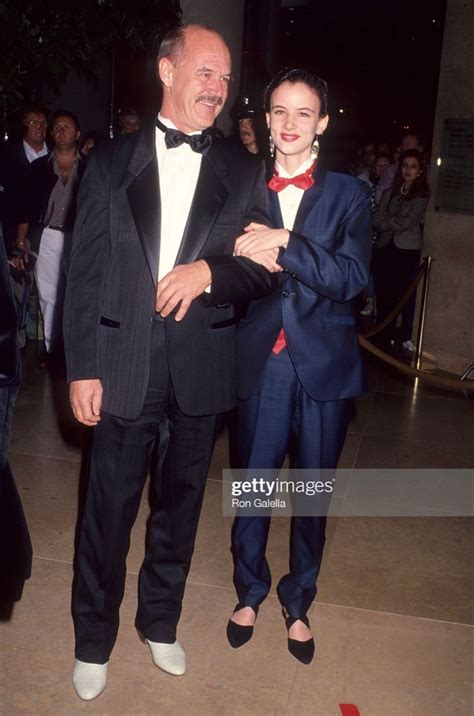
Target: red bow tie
302	181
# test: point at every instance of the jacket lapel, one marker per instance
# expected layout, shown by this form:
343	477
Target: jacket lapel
209	197
144	197
275	211
309	200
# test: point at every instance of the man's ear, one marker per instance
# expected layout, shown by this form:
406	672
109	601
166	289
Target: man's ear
165	71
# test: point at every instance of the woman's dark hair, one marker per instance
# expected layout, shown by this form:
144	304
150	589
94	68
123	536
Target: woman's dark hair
420	186
294	76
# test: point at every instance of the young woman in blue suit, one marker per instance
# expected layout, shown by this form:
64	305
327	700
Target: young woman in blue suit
298	354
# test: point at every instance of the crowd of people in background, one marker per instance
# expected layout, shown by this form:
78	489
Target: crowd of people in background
40	175
400	195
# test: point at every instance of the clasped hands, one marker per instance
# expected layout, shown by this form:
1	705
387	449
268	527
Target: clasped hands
177	290
186	282
262	244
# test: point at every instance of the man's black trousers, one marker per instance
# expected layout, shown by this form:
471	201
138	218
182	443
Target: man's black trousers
120	460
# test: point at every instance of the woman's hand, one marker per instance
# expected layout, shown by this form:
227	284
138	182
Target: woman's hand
268	260
262	244
258	238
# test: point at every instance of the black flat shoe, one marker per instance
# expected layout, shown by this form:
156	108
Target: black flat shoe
238	634
301	650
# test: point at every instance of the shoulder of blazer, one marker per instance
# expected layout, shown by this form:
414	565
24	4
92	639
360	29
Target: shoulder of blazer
120	148
15	152
334	181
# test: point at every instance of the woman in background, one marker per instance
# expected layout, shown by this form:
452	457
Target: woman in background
398	222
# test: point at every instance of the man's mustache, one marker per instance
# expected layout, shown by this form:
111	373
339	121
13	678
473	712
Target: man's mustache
212	99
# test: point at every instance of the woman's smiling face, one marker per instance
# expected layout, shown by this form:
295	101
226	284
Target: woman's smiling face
294	119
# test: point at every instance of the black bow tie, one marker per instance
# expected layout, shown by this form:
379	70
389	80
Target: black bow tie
175	138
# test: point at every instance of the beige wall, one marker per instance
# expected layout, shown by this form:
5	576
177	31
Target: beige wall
227	16
449	237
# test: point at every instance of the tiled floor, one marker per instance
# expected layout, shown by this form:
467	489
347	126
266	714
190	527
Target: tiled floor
393	615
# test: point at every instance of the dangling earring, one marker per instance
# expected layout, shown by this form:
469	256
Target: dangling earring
315	149
271	146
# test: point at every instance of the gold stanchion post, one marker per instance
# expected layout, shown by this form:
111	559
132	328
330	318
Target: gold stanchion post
421	323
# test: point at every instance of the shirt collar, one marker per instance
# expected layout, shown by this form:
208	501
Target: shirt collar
32	154
52	159
300	170
168	123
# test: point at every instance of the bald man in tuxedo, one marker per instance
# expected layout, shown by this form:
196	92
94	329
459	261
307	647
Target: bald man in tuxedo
149	333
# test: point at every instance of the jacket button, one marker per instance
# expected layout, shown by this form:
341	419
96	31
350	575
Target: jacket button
286	293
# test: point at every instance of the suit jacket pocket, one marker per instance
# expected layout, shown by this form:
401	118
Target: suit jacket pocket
224	324
109	322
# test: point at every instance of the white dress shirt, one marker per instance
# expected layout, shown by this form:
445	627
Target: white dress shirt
178	171
32	154
290	197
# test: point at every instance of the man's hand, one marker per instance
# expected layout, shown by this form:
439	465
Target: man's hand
22	246
21	261
85	397
259	238
181	286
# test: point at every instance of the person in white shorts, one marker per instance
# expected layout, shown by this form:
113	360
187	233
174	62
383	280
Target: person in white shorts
46	219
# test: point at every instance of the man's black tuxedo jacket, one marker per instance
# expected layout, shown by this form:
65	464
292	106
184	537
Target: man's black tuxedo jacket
110	299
